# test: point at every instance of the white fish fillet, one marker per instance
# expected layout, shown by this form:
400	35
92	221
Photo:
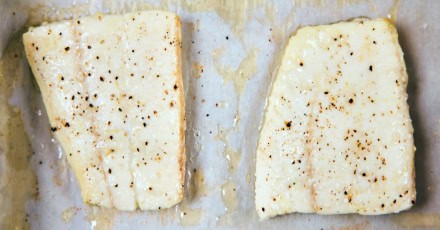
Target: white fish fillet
337	136
113	91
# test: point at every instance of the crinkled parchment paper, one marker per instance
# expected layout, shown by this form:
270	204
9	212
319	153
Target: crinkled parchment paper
231	50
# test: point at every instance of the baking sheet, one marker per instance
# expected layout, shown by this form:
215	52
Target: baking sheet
231	50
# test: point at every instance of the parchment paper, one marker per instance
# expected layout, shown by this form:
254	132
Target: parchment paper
231	50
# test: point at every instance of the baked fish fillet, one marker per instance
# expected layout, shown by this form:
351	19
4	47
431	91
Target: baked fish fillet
113	92
337	135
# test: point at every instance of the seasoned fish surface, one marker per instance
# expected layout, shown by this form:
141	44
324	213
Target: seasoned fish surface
113	92
337	136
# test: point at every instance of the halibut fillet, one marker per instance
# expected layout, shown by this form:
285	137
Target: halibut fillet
337	135
112	88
